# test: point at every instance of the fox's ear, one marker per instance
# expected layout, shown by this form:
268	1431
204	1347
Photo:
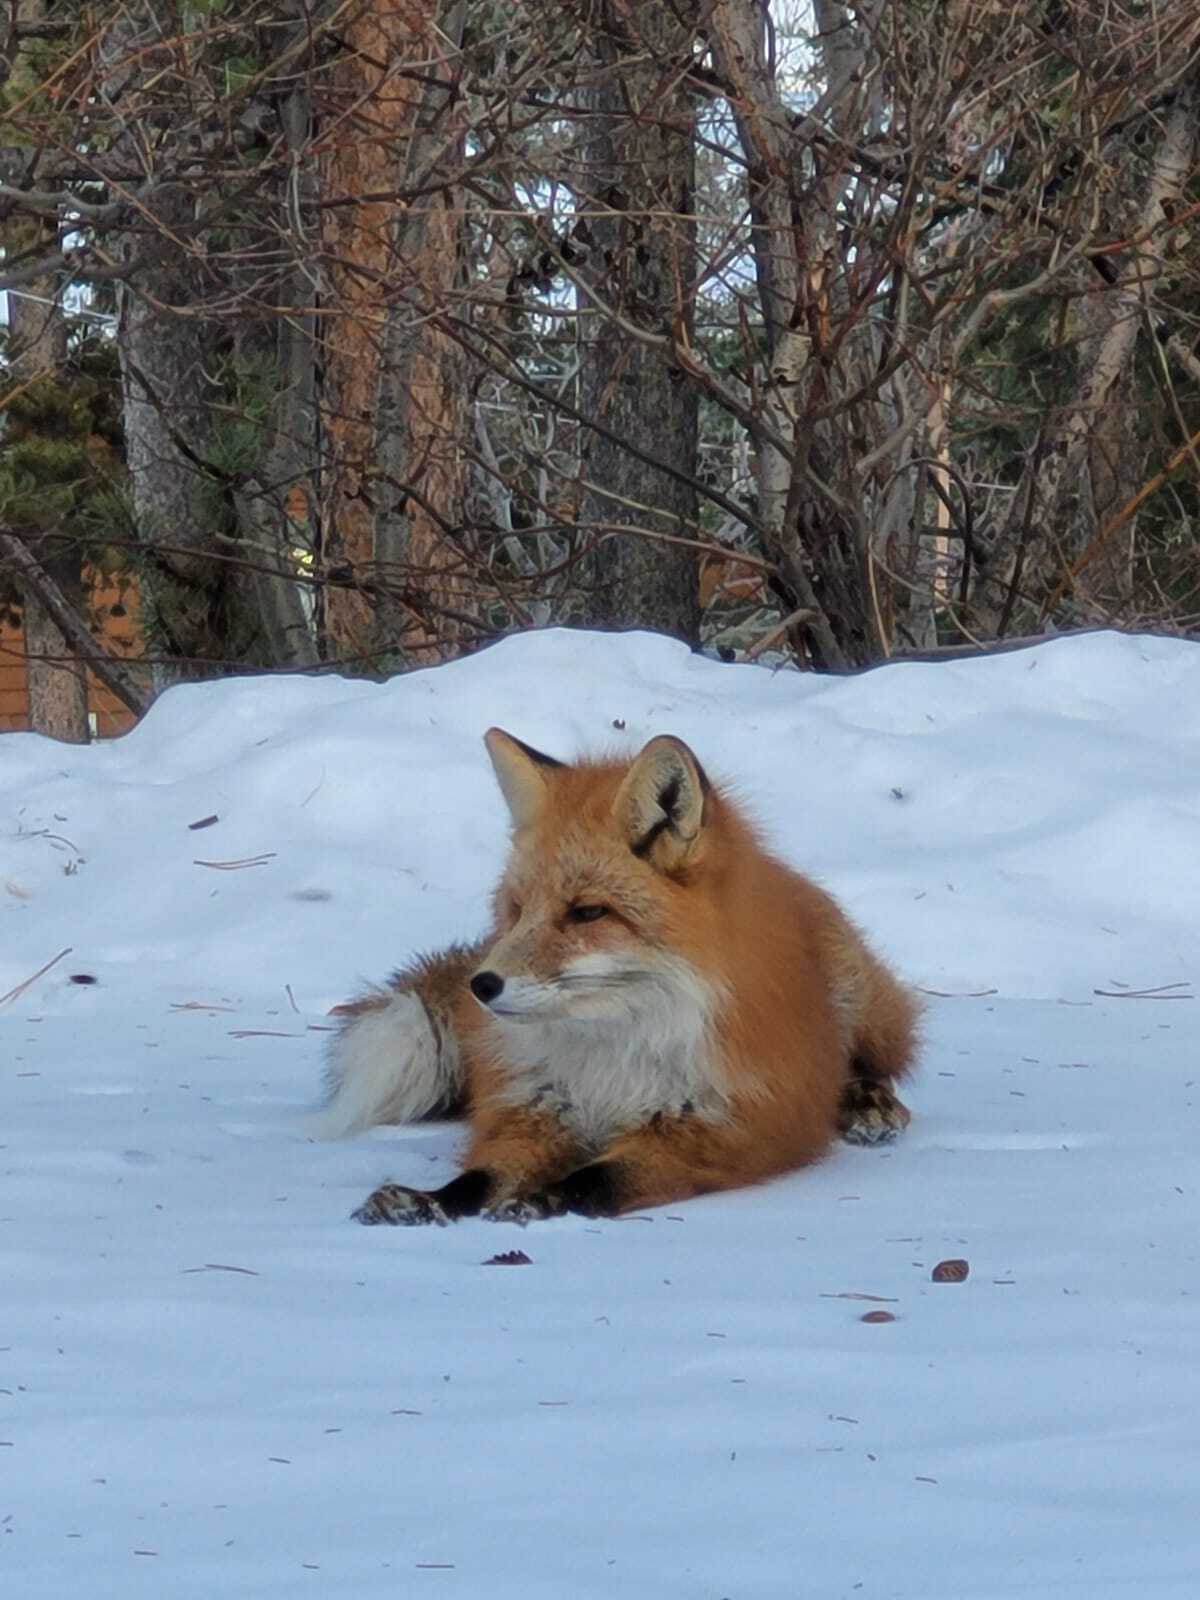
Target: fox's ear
521	772
660	804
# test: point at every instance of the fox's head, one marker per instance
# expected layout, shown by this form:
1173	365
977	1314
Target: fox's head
596	910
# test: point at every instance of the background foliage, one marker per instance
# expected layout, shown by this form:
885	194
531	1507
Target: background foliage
357	332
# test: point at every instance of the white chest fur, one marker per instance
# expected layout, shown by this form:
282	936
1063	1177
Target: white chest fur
652	1051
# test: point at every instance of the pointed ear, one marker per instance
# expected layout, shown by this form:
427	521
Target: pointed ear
522	774
660	804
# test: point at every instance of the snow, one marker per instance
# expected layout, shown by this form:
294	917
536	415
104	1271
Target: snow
211	1382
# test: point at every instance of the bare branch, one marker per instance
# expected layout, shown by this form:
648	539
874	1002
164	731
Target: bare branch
107	667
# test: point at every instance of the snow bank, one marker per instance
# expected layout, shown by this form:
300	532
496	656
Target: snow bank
215	1384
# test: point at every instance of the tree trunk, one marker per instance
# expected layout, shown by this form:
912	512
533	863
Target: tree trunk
815	535
393	406
57	680
424	390
1047	526
202	611
637	207
166	428
55	677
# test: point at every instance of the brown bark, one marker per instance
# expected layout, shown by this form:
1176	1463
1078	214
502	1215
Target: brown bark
55	678
393	406
167	424
363	112
55	605
1046	529
424	392
202	610
637	200
815	536
55	674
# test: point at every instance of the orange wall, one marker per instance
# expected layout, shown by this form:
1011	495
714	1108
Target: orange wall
118	634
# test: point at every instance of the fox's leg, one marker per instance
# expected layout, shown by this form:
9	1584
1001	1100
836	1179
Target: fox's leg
883	1028
670	1158
397	1057
882	1049
870	1111
513	1150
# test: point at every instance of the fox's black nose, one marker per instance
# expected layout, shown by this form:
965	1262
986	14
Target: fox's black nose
486	986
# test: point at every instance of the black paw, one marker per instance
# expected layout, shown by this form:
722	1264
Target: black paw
466	1195
592	1191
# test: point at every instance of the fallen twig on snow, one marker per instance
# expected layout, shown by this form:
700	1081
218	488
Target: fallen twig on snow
21	987
1161	991
235	866
957	994
220	1266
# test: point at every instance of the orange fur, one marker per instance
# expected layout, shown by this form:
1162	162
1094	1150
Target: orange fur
664	1008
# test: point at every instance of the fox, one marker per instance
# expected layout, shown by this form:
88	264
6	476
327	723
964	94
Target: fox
661	1009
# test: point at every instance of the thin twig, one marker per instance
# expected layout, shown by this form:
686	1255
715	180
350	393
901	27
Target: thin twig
772	635
21	987
1159	992
74	630
957	994
261	1033
236	866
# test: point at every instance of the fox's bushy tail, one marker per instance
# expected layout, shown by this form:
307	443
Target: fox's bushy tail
396	1056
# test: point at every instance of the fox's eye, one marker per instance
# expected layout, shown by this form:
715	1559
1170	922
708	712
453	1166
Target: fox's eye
586	913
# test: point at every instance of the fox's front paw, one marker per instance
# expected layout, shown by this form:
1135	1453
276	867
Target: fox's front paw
525	1208
592	1191
393	1203
871	1114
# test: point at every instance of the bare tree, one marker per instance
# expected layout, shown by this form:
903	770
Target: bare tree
437	321
393	402
56	677
194	495
1085	463
931	194
635	209
57	681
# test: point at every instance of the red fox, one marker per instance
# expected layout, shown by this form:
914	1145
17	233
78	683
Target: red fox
662	1008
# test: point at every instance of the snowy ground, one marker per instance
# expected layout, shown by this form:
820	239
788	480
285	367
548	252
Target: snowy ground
212	1383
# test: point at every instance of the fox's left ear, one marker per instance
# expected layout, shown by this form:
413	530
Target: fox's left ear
521	772
660	804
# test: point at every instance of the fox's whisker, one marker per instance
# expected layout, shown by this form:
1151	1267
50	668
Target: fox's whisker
603	980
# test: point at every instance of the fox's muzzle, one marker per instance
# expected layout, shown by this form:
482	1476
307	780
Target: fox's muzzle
487	986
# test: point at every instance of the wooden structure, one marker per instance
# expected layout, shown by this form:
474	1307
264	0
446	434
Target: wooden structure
114	609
